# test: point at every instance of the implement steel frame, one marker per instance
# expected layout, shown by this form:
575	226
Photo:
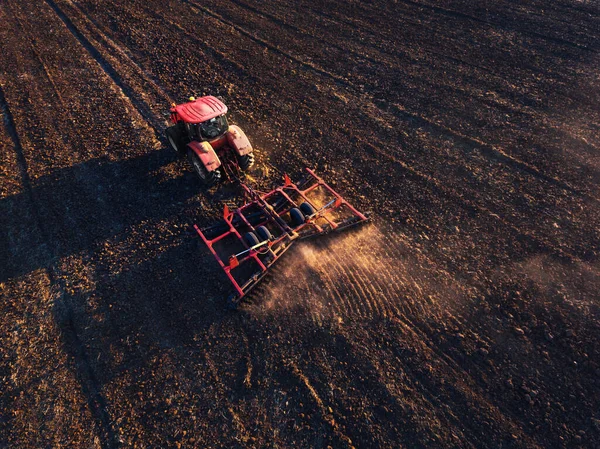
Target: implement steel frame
267	252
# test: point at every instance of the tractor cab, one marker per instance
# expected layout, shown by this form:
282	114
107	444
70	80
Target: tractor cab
204	118
210	129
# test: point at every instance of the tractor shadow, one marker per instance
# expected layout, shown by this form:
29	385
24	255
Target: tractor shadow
77	207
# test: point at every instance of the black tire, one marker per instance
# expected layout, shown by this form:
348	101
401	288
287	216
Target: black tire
297	216
207	178
175	139
307	209
264	233
246	161
251	239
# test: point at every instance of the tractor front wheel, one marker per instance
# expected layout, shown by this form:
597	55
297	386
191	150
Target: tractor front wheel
175	139
246	161
207	178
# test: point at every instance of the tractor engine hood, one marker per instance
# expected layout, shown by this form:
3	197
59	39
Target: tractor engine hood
200	110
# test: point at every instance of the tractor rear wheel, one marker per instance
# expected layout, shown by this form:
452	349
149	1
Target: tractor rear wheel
297	217
207	178
246	161
175	139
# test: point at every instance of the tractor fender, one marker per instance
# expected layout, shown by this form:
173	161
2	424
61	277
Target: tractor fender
206	153
238	140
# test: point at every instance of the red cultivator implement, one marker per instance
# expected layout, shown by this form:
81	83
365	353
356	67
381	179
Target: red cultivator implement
249	240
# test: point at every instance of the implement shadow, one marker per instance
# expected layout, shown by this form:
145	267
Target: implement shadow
136	326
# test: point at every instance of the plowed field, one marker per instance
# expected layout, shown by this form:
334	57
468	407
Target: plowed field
465	314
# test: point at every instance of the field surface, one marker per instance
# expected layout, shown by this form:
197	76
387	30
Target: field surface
466	314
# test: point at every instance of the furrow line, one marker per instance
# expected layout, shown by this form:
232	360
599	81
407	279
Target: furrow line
391	269
360	275
344	304
335	300
407	304
364	294
346	272
384	280
393	290
357	306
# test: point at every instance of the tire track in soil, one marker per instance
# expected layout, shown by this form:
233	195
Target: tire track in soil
9	124
89	382
235	418
464	16
90	385
376	394
466	387
327	416
467	205
299	31
274	48
470	386
472	143
110	45
137	102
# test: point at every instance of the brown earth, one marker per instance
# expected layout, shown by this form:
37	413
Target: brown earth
465	315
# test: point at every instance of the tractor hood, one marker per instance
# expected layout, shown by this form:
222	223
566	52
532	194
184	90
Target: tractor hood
200	110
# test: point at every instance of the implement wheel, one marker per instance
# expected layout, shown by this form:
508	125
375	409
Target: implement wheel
297	217
307	209
264	233
251	239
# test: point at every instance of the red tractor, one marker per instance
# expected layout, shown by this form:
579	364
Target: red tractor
213	147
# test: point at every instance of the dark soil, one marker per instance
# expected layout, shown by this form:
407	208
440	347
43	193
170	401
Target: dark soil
466	314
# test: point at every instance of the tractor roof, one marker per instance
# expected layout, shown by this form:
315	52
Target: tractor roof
200	110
